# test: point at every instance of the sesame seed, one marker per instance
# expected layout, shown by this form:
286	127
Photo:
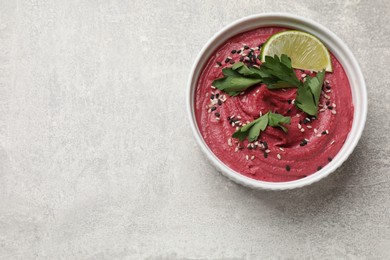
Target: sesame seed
239	117
307	140
207	94
299	126
261	113
303	143
315	130
279	156
236	150
242	93
212	87
281	149
241	58
302	130
237	128
323	132
293	101
265	155
327	81
326	131
319	135
322	109
328	91
326	96
230	142
332	142
219	102
217	114
239	51
288	168
219	64
304	75
232	62
246	47
252	157
217	118
334	105
247	157
298	115
309	126
334	112
213	108
227	60
268	151
233	51
289	101
330	107
330	159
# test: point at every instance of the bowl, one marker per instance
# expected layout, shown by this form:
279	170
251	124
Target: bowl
334	44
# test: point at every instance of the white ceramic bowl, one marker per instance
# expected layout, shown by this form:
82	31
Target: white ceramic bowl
335	45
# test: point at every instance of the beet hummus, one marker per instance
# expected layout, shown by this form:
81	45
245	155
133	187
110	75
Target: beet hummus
310	142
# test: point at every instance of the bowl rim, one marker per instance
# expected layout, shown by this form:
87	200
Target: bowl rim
359	94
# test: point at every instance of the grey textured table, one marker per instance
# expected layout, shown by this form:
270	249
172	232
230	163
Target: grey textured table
97	160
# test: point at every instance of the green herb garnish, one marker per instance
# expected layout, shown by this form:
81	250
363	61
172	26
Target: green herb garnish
236	79
276	73
253	129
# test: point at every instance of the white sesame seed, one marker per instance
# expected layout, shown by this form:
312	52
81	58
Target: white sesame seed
230	58
237	128
207	94
284	90
236	150
239	117
307	140
247	122
252	157
257	91
302	130
267	151
246	58
309	126
293	101
299	126
298	115
257	143
333	104
315	130
311	71
217	118
327	132
216	66
328	90
261	113
334	112
327	81
230	142
307	119
209	111
247	157
279	156
332	142
249	145
326	96
304	75
320	105
233	124
322	109
281	149
319	135
212	87
242	93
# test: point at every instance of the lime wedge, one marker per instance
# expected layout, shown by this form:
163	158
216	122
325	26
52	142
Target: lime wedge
305	50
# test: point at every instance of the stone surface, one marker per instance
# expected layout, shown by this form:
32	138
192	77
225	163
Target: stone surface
97	160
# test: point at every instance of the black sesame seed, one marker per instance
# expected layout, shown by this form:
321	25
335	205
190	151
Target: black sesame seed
319	168
330	107
261	45
328	87
233	51
246	47
300	121
289	101
327	103
265	144
213	108
227	60
305	121
303	143
250	147
232	62
323	133
212	96
302	71
219	102
288	168
228	118
330	159
265	155
239	51
219	64
289	110
241	58
217	114
217	95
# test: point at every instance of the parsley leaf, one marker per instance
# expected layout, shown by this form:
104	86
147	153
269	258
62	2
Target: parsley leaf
253	129
308	94
278	73
237	78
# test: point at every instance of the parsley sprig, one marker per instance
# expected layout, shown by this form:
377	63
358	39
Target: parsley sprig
276	73
253	129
